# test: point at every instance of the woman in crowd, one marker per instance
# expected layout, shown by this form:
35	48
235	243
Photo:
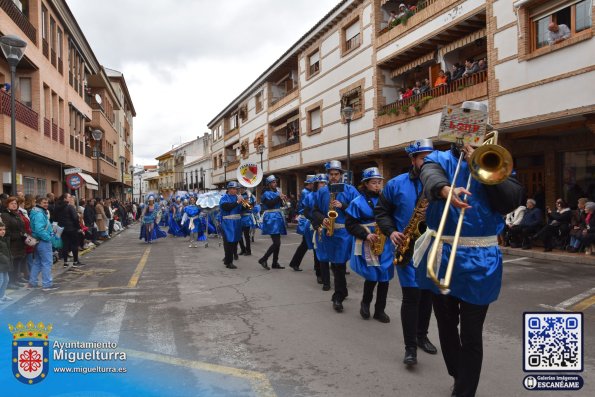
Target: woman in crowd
577	225
588	234
100	219
558	224
42	257
5	264
67	217
15	232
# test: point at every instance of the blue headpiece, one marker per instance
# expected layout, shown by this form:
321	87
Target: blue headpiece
322	178
371	173
233	184
310	179
270	179
419	146
333	165
150	197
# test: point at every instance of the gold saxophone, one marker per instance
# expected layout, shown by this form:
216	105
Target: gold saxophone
378	246
331	216
414	229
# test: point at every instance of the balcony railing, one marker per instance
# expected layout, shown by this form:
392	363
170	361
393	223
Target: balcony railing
20	19
275	100
54	131
61	135
47	129
454	86
45	48
287	143
24	114
53	57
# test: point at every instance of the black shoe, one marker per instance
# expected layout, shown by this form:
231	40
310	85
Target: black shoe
319	279
427	346
338	306
295	268
264	264
410	356
242	252
247	253
50	288
235	257
231	266
453	390
79	264
326	287
277	266
382	317
364	310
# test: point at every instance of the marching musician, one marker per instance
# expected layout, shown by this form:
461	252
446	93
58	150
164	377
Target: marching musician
303	225
273	223
337	248
247	221
191	222
393	212
314	234
364	261
477	272
230	206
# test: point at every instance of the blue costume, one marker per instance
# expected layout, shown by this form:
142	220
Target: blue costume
231	220
174	221
150	217
272	222
303	227
303	222
192	224
248	223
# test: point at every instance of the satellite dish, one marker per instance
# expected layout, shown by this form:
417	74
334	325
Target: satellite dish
98	98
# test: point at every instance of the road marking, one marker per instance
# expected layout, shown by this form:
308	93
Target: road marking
260	382
99	289
107	328
515	260
586	298
139	269
584	304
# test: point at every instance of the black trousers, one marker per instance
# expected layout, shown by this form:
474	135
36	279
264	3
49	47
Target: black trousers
70	242
316	265
245	246
325	273
274	249
340	281
381	294
229	248
462	351
547	234
298	256
110	228
416	310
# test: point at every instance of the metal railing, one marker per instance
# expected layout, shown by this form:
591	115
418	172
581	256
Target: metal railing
20	19
352	42
24	114
287	143
275	100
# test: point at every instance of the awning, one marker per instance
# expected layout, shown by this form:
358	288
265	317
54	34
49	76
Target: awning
89	181
461	42
405	68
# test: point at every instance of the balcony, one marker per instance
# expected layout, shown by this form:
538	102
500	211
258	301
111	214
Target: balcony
458	91
54	131
24	114
283	99
53	57
61	135
47	129
46	48
20	19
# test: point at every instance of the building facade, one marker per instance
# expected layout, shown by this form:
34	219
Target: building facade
291	118
62	93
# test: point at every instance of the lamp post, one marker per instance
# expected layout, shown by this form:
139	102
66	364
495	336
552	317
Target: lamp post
225	163
122	159
202	179
131	169
13	49
260	150
347	112
97	135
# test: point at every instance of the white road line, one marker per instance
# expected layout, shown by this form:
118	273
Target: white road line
515	260
575	299
72	308
107	328
160	333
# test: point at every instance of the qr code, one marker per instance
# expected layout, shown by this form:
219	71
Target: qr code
553	342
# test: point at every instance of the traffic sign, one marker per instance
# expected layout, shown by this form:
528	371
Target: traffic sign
70	171
73	182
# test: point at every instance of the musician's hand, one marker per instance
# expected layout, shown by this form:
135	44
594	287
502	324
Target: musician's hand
468	150
326	223
239	200
397	238
456	202
337	204
372	238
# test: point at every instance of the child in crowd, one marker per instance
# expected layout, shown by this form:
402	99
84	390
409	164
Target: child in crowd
5	263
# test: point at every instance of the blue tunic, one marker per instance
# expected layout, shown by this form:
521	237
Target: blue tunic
402	192
150	217
232	228
174	222
477	272
308	231
360	210
335	249
247	215
272	222
303	223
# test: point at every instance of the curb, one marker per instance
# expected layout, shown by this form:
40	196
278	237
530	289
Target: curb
552	256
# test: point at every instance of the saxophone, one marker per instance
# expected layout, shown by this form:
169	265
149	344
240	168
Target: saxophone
378	246
414	229
331	215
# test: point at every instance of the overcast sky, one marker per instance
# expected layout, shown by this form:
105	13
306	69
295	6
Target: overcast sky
185	60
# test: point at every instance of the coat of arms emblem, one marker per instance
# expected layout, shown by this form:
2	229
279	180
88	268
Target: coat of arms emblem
30	351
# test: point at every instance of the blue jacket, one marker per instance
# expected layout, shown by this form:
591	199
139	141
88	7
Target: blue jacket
532	217
40	224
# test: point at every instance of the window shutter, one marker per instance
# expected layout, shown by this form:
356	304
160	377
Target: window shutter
352	31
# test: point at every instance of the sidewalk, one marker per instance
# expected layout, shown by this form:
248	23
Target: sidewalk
555	255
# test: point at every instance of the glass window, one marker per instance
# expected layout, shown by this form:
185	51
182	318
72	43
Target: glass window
541	31
41	189
577	178
29	185
25	90
583	15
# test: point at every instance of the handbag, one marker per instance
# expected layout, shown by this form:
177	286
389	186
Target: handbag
56	242
30	240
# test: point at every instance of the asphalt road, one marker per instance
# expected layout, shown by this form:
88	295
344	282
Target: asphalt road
192	327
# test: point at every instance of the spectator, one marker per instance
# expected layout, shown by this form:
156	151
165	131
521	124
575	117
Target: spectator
5	87
457	71
5	264
513	218
417	88
577	225
89	219
100	219
588	237
558	224
557	33
441	79
448	77
392	19
51	198
67	217
43	257
3	198
24	213
109	215
408	93
530	224
15	232
483	65
425	86
471	67
401	93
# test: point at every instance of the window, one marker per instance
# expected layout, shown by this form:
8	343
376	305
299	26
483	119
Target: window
351	36
244	112
258	99
314	118
44	26
313	63
285	132
60	40
245	149
233	122
29	185
353	98
41	187
25	91
258	140
575	15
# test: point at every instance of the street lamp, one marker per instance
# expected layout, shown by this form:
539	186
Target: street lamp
347	112
260	150
225	163
122	159
13	49
131	169
202	179
97	135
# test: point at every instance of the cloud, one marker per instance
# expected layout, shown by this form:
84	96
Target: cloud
185	60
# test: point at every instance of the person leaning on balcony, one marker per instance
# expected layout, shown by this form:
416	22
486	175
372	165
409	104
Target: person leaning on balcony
408	93
557	33
417	88
425	87
441	79
471	67
483	65
5	87
392	19
457	71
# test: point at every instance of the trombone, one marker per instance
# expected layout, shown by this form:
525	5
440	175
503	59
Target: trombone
489	164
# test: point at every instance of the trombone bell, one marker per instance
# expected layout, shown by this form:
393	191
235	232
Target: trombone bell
490	164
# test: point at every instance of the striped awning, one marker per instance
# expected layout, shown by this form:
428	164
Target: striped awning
405	68
461	42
